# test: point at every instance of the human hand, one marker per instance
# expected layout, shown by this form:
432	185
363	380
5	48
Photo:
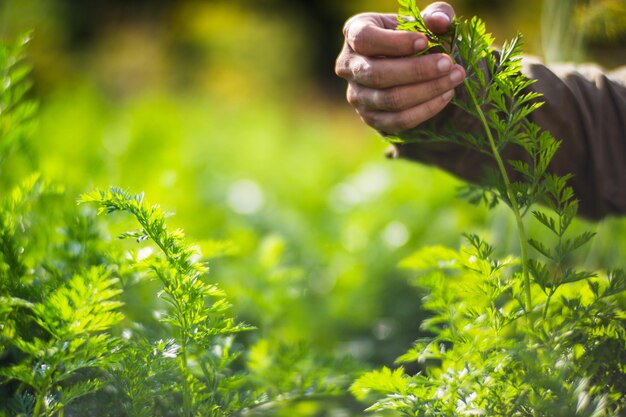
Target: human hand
389	88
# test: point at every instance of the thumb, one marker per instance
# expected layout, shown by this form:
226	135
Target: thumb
438	16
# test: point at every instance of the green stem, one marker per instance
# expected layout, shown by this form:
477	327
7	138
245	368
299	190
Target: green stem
545	310
187	397
511	196
184	342
38	404
144	221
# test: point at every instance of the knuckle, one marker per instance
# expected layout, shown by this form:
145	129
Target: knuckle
425	67
341	66
421	67
346	27
372	119
389	99
354	36
359	37
439	86
364	72
352	96
351	22
344	61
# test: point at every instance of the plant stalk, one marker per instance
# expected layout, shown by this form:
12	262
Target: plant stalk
548	299
512	198
38	404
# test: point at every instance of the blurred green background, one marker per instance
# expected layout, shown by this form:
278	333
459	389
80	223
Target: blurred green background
228	113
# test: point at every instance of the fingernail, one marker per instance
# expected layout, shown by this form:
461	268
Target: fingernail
420	44
444	64
441	15
456	75
447	95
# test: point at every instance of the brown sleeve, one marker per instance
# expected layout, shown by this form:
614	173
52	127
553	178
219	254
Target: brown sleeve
585	108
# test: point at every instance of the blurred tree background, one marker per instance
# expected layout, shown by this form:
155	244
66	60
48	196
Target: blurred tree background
229	114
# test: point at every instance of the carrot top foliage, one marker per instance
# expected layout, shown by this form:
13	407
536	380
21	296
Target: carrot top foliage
102	323
78	336
528	334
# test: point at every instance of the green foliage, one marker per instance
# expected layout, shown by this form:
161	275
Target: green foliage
86	321
508	341
197	314
68	335
312	266
16	110
62	324
487	355
407	9
70	326
55	335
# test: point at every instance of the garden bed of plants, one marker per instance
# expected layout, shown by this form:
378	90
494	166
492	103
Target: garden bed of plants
296	297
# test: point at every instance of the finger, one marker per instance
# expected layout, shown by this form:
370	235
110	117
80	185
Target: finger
343	64
375	35
395	99
438	16
396	122
391	72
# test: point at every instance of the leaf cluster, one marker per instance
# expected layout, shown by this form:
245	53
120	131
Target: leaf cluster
56	316
68	340
138	327
495	94
488	356
409	19
197	312
522	335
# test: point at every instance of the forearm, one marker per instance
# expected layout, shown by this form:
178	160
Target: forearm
586	109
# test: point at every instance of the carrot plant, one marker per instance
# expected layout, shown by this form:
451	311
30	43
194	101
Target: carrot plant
96	326
69	340
66	337
524	335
